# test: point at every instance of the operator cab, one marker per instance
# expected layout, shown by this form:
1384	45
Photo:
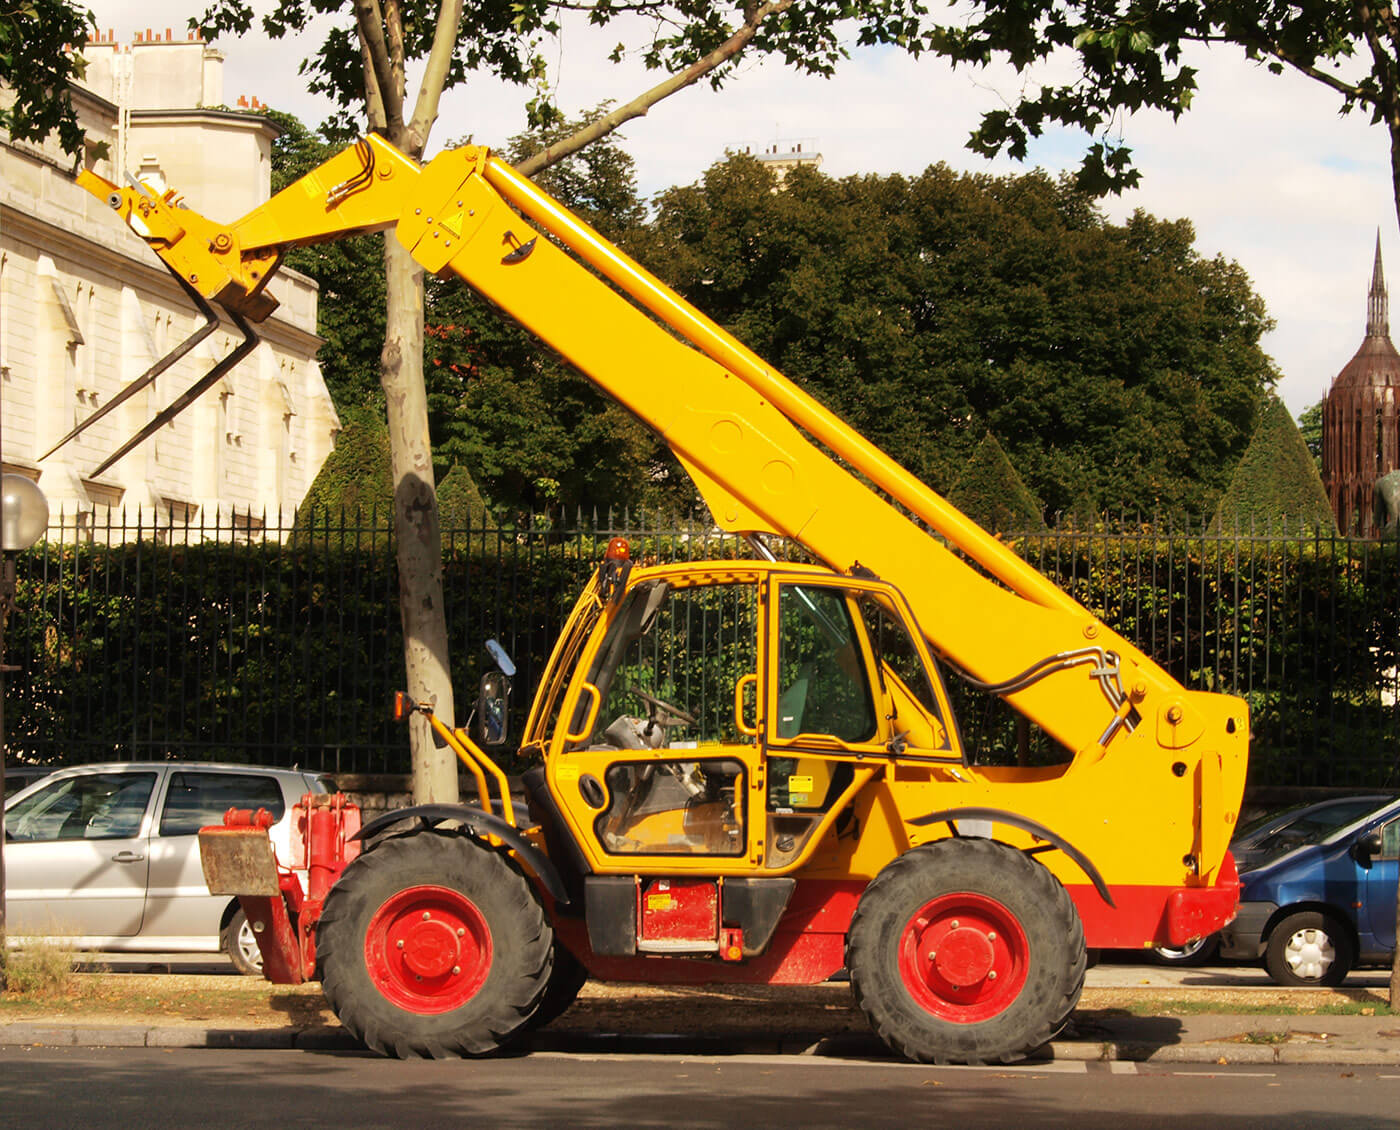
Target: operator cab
713	715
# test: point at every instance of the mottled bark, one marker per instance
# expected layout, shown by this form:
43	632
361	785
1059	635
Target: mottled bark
421	606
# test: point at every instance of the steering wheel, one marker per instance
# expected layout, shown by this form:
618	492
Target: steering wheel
661	712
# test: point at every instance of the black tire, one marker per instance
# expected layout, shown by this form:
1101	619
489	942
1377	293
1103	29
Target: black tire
983	913
567	978
1200	952
1309	948
236	939
434	945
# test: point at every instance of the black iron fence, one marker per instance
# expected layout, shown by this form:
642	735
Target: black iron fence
280	643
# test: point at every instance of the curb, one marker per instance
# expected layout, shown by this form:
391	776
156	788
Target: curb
844	1046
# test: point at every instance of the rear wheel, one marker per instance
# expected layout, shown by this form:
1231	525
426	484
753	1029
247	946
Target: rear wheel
239	942
966	951
434	945
1308	948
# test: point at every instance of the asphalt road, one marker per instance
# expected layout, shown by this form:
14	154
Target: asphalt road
97	1088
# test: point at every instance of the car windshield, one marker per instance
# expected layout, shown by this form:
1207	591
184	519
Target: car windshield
1316	826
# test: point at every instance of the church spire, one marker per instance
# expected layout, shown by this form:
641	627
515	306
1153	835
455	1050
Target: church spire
1377	305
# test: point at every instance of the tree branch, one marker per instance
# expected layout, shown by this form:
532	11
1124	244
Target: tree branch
1351	90
1383	66
638	107
374	100
393	35
425	109
369	18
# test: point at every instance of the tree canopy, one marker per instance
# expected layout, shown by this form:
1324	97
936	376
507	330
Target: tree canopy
1310	425
1115	365
1128	55
687	41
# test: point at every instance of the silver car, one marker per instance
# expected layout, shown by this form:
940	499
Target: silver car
106	857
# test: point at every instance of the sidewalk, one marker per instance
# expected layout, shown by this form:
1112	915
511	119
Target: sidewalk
814	1020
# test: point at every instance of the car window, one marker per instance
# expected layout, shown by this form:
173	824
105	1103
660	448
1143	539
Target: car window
1390	840
95	806
16	779
196	799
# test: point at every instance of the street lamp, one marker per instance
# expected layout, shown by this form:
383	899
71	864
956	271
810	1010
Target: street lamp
24	516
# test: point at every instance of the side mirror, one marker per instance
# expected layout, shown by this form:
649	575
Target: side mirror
492	722
1366	848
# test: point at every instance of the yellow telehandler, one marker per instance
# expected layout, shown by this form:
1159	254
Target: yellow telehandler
742	770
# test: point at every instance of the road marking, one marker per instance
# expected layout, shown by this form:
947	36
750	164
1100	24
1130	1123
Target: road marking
1231	1074
1122	1067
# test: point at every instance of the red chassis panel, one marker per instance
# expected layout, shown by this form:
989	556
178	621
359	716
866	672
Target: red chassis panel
809	944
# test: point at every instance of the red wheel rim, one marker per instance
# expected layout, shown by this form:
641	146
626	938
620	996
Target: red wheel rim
963	957
428	949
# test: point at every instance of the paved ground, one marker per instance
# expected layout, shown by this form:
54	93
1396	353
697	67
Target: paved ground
815	1020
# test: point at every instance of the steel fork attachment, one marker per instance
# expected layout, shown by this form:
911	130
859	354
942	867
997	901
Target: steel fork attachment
185	399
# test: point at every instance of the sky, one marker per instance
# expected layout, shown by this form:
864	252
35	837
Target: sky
1264	167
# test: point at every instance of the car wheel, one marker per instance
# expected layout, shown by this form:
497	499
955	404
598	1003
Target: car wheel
965	951
1308	948
238	941
1199	952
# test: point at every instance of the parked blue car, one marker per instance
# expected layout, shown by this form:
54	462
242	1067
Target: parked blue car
1321	907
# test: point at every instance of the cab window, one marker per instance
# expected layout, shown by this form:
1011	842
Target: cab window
896	652
822	682
673	808
1390	841
667	671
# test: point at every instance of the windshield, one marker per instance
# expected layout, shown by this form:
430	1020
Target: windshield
1303	827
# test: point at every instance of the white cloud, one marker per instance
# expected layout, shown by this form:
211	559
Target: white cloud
1262	165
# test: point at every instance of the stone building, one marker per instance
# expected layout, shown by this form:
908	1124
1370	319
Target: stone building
782	157
1360	424
85	308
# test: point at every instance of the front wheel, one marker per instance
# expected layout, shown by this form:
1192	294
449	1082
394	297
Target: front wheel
433	944
966	951
1308	948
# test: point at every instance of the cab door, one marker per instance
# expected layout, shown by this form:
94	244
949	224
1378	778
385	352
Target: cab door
652	762
849	686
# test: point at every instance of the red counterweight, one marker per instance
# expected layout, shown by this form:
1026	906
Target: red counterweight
240	859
